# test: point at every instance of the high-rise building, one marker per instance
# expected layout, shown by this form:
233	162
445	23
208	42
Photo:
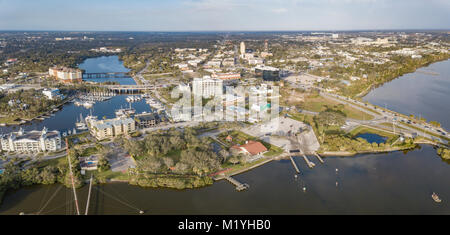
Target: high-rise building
66	75
207	87
266	45
242	48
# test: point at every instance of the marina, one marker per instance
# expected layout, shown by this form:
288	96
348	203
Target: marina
377	183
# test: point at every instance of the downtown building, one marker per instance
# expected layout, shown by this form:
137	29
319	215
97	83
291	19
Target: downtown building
66	75
207	87
267	73
31	141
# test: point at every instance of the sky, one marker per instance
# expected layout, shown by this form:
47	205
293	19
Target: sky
223	15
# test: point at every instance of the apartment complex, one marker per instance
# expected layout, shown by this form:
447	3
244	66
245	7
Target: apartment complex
108	128
66	75
31	141
207	87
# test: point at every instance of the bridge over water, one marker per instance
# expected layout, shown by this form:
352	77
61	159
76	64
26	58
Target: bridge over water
106	75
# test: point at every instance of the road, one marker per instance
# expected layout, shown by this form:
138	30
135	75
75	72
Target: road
382	116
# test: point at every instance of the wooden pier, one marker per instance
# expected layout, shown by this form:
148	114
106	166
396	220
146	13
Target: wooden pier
318	157
239	186
295	165
308	162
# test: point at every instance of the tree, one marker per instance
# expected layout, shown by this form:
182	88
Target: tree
331	118
103	164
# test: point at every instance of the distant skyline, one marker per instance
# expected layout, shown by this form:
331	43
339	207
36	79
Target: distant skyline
223	15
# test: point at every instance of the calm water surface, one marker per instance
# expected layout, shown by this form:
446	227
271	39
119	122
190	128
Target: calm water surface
394	183
106	64
418	93
372	138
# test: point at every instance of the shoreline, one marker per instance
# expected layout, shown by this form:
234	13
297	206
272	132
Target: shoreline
374	86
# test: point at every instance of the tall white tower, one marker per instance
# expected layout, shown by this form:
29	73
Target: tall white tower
242	48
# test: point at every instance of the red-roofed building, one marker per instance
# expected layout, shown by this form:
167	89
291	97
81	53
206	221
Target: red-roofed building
250	148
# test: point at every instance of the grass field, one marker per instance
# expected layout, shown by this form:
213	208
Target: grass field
319	103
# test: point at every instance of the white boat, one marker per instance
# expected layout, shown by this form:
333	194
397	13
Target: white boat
81	124
436	197
88	104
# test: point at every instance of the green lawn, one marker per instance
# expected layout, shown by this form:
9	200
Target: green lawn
318	104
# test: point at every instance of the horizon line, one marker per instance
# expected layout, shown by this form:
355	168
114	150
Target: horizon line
188	31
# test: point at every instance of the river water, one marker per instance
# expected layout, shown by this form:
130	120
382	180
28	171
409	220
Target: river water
106	64
418	94
65	119
386	183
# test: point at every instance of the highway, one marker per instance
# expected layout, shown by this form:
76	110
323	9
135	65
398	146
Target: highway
382	116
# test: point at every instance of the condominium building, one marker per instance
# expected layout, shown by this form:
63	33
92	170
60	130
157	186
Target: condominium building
146	120
108	128
66	75
207	87
31	141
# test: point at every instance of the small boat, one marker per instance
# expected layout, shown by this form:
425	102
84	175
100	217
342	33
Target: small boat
88	104
436	197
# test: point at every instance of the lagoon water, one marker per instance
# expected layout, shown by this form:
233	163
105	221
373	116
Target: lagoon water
385	183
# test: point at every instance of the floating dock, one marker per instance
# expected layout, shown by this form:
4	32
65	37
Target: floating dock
239	186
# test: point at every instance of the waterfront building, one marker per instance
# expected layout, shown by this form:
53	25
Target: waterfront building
207	87
89	163
108	128
52	94
31	141
250	148
267	73
146	120
66	75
